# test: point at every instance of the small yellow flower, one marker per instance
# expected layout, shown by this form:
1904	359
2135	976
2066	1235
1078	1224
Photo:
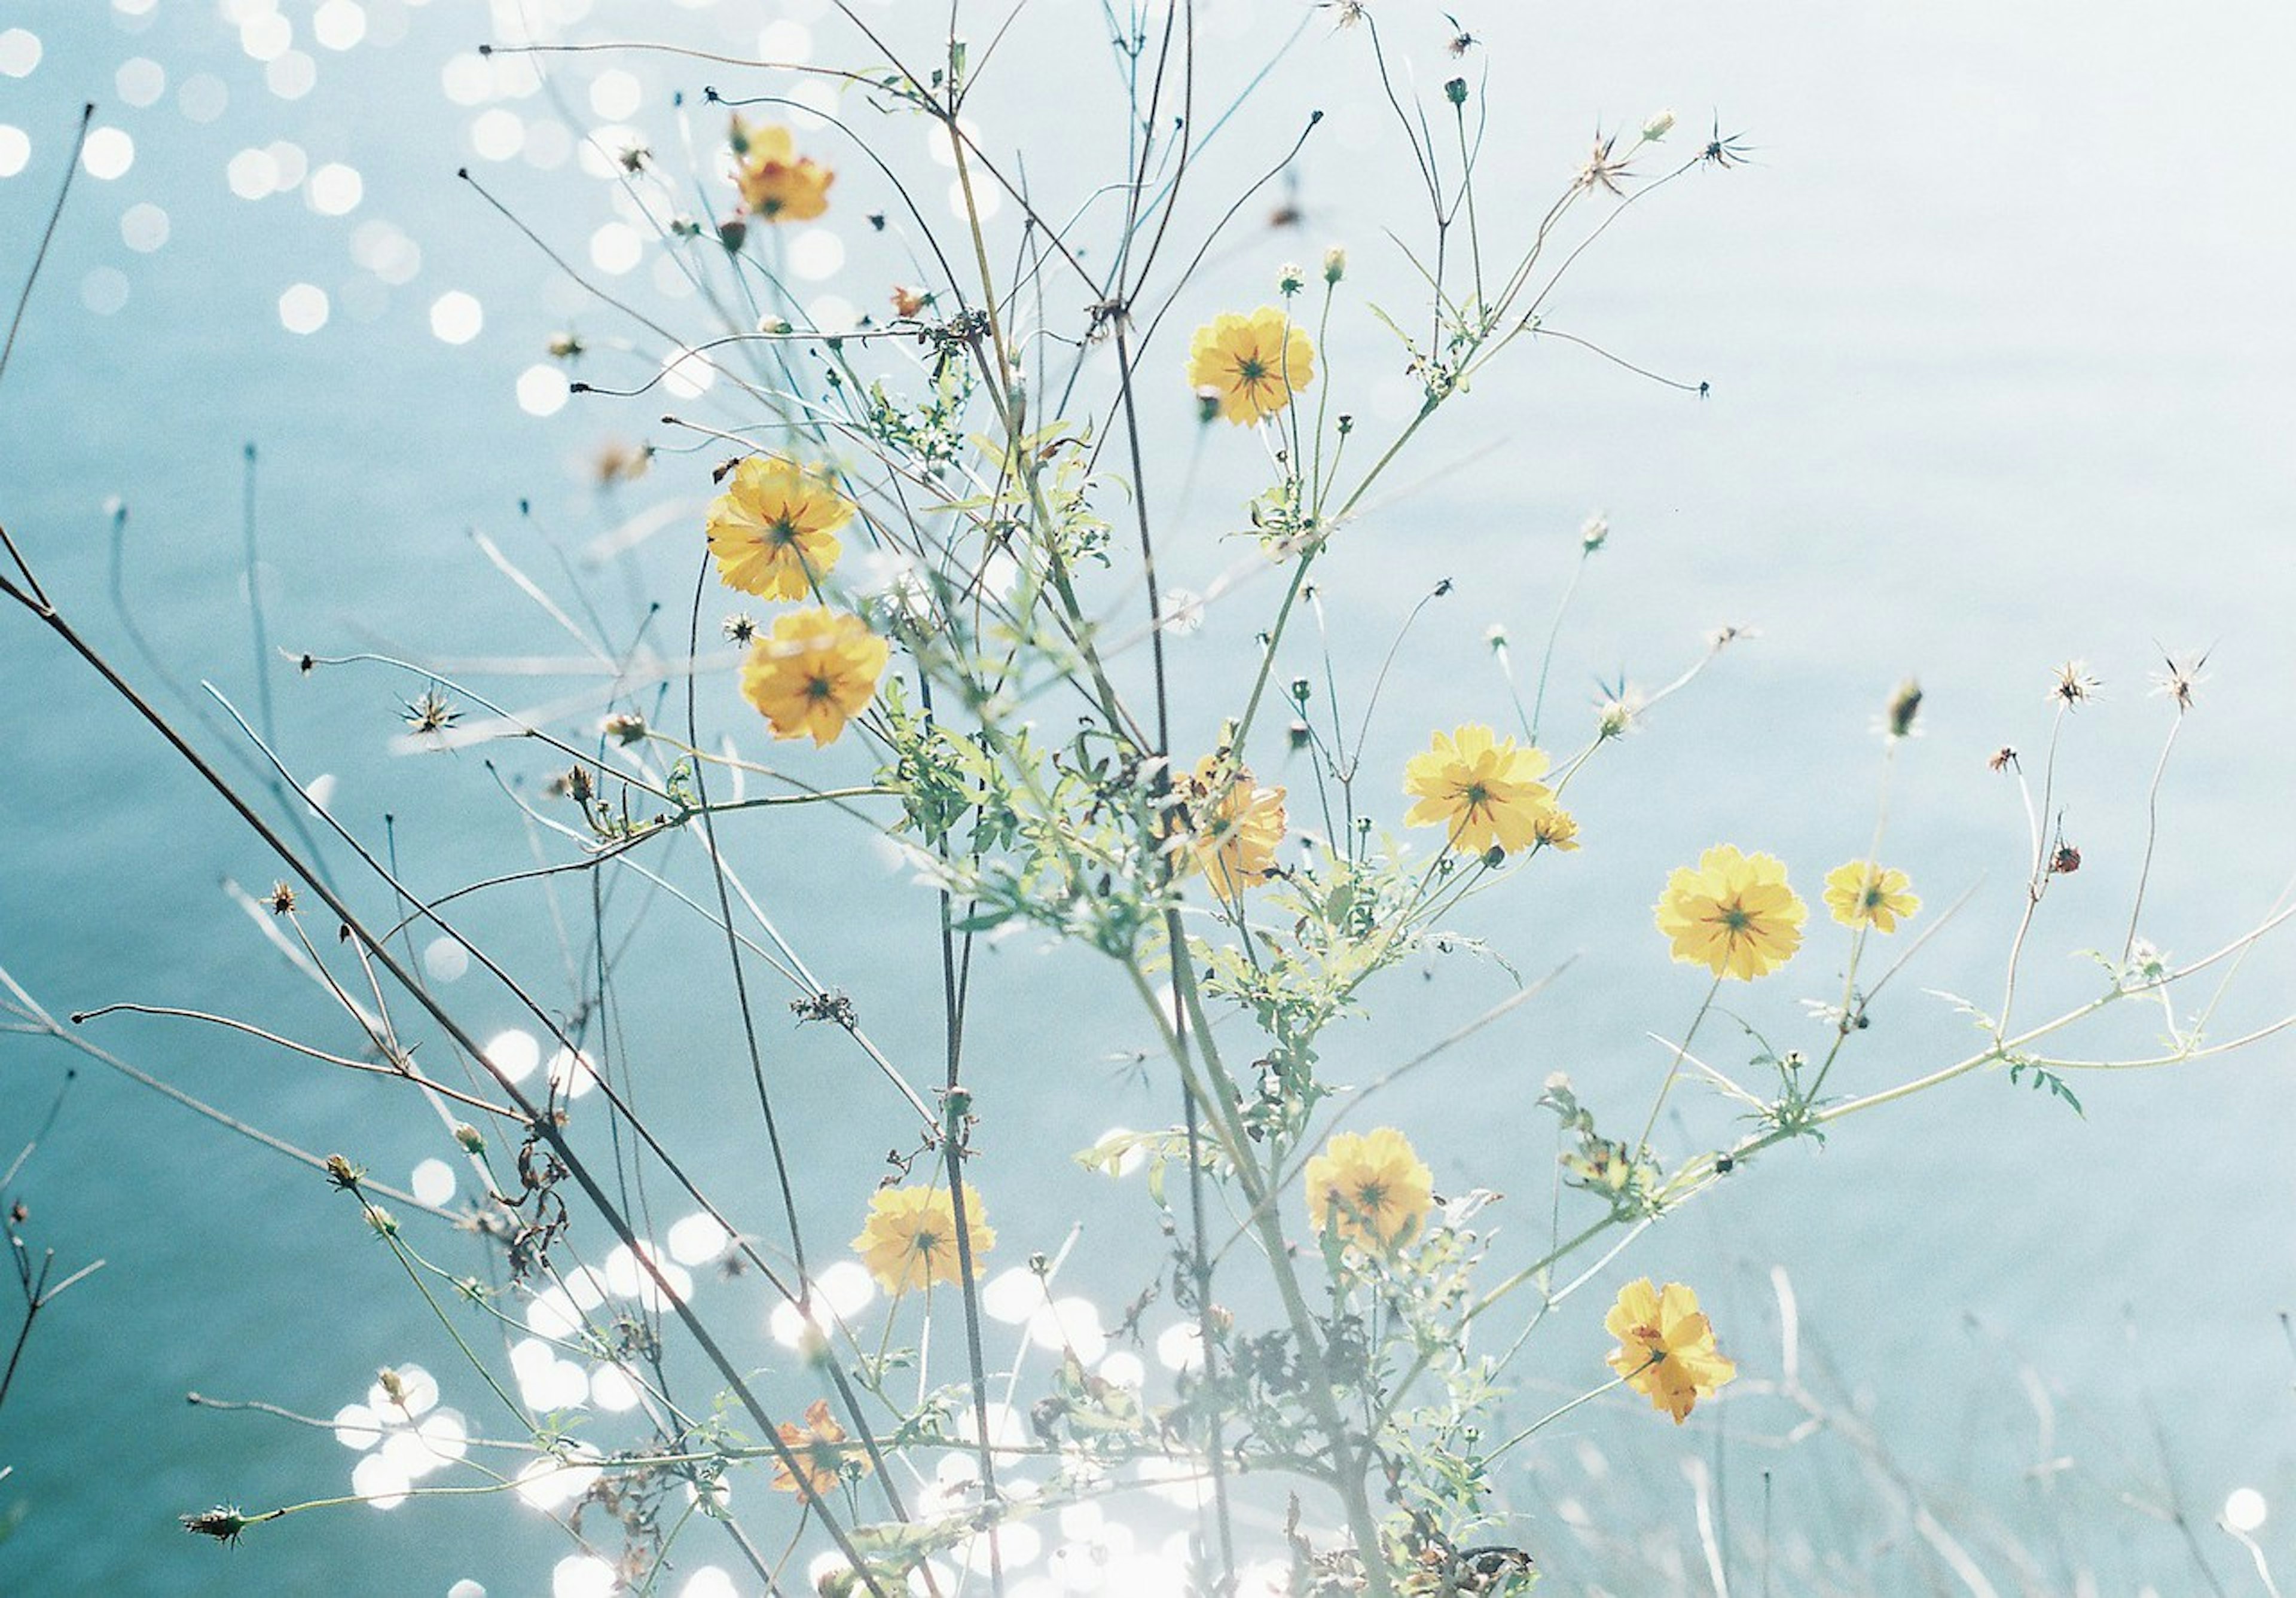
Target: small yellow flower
1484	790
1666	1347
820	1446
1734	913
1558	829
1232	826
1862	893
910	1238
777	184
816	671
1252	364
775	528
1371	1189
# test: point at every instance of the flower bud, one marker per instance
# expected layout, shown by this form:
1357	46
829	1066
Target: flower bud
1593	533
473	1140
1658	127
1455	91
1335	264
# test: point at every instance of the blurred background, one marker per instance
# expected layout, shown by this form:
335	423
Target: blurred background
1994	318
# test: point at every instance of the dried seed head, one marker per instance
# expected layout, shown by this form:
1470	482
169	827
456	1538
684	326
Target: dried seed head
222	1523
908	301
283	899
2073	687
393	1388
578	787
627	728
738	629
1290	279
2066	860
2001	758
342	1174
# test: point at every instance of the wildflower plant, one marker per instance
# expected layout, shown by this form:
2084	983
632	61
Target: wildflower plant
947	519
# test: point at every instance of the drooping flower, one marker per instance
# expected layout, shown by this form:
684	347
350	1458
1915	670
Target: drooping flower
1371	1189
816	671
1733	914
1558	829
1232	826
1250	365
1484	790
1862	893
1666	1347
777	184
773	530
821	1448
910	1238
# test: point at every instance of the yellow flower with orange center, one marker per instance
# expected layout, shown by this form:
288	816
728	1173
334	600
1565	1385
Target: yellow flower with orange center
816	671
1371	1190
822	1450
773	530
1230	826
777	184
1483	789
1734	913
1252	365
1862	893
1666	1347
910	1238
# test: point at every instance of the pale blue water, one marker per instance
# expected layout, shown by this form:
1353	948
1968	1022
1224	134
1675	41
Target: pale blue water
2000	352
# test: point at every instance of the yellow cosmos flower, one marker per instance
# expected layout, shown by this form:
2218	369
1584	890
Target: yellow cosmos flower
1232	828
821	1451
1252	364
1862	893
816	671
777	184
774	529
910	1239
1372	1190
1666	1347
1483	789
1558	829
1733	915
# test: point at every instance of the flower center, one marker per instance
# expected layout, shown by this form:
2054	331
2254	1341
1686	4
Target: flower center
1251	369
1476	795
781	532
925	1242
819	687
1734	918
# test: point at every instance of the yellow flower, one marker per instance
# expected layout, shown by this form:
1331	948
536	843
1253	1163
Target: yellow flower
821	1451
774	529
1733	915
1371	1189
1558	829
1251	364
1484	790
1232	826
1666	1347
777	184
816	671
1862	894
910	1239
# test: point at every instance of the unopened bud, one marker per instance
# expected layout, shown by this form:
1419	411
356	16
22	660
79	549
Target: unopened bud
1658	127
473	1140
1335	264
1904	706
